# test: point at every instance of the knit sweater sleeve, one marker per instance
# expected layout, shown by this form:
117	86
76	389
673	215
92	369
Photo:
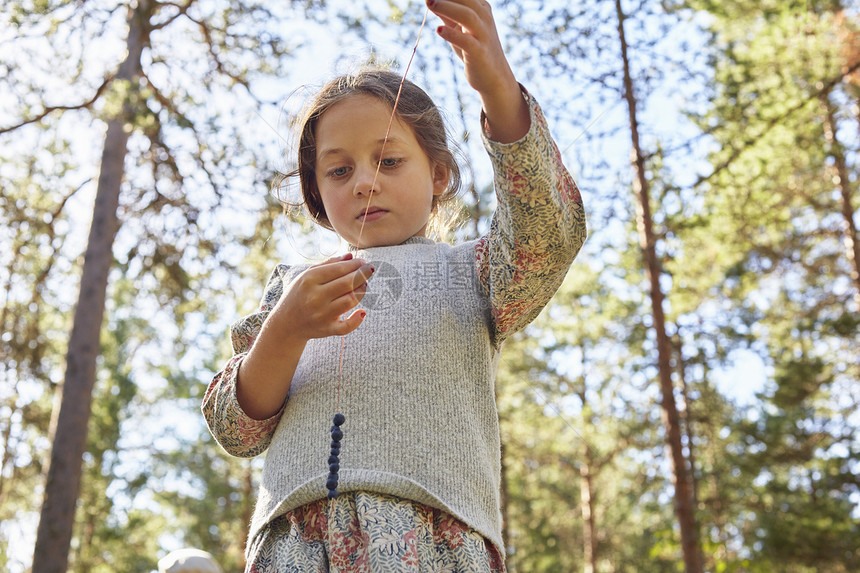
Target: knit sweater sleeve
536	231
236	432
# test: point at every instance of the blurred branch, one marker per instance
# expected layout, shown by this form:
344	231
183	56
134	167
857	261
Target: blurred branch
772	123
213	55
182	10
51	109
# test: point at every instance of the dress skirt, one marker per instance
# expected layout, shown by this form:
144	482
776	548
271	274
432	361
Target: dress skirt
361	532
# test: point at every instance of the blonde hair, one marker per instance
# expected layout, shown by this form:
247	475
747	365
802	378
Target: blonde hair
415	109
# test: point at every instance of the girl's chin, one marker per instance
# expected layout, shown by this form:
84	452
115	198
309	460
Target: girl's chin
371	239
377	236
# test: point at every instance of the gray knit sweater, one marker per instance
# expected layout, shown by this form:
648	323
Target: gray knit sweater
419	373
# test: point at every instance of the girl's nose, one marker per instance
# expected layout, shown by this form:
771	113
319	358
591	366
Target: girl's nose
364	182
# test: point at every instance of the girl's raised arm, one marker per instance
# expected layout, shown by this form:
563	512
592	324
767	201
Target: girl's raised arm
469	27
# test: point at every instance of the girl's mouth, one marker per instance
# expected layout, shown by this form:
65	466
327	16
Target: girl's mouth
371	214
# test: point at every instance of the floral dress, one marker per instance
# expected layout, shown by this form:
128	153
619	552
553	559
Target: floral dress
359	532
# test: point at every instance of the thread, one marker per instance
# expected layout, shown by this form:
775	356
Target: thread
336	431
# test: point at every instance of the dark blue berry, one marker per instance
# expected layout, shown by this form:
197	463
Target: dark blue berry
334	460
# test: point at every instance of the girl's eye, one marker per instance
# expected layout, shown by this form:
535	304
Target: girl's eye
390	162
338	172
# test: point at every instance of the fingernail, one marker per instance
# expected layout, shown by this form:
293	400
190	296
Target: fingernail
431	2
363	314
372	269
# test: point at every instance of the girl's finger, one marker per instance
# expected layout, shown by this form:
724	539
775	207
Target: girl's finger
326	272
459	40
475	16
345	303
346	284
470	29
349	323
343	257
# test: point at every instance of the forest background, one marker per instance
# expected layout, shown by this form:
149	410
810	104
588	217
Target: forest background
689	400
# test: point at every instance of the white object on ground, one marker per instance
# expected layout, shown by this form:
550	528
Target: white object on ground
188	561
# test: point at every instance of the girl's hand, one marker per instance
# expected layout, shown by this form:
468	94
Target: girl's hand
310	308
314	303
469	27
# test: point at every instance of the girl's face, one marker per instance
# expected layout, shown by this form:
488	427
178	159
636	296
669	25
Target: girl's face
349	138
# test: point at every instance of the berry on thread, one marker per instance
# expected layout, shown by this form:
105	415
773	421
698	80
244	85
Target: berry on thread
334	459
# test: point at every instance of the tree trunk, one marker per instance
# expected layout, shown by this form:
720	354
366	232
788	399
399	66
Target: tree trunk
586	485
7	446
505	500
843	183
248	506
586	508
689	432
686	418
56	522
684	506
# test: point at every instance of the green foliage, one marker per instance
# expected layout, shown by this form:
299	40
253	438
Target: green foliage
213	509
767	251
166	315
35	234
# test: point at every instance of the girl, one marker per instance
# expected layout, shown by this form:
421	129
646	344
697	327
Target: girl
416	485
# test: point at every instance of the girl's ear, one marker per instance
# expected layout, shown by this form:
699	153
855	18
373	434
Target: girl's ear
441	178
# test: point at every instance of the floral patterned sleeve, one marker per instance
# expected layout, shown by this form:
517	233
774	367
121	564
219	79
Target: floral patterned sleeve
536	231
239	434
